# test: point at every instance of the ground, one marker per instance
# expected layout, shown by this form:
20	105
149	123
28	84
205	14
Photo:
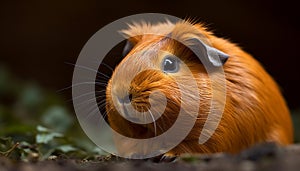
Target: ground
261	157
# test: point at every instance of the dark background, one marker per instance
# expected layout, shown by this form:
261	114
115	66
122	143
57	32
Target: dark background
38	37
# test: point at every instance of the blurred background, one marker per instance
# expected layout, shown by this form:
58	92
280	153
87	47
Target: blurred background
38	38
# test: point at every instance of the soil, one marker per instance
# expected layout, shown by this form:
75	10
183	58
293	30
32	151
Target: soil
261	157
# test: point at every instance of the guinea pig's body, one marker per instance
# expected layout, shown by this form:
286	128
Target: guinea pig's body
254	112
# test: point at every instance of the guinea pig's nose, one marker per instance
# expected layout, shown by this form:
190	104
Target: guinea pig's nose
126	99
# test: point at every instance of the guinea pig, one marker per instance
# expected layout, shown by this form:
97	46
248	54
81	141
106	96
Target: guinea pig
254	112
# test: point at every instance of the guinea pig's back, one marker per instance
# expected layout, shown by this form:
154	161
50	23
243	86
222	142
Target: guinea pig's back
254	99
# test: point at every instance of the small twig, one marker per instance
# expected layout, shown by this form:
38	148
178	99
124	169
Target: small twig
8	152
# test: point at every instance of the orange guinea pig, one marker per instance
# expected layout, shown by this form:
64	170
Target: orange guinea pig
158	55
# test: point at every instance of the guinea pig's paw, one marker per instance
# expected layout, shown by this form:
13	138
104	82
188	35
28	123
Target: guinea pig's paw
167	157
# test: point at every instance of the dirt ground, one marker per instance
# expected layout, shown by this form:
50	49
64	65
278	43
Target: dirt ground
261	157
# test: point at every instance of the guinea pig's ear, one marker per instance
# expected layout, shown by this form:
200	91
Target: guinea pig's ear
127	48
212	55
130	43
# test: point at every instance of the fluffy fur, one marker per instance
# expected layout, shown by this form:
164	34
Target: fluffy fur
255	110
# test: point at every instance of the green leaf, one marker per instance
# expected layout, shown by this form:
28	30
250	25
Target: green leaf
99	151
45	138
5	143
42	129
66	148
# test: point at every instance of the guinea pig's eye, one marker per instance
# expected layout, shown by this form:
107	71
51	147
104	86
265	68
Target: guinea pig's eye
170	64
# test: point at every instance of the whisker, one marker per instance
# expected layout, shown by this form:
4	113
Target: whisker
102	63
154	122
87	68
85	94
106	113
102	80
78	84
107	66
88	101
94	110
162	121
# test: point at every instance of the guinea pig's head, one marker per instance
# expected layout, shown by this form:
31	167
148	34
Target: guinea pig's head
160	66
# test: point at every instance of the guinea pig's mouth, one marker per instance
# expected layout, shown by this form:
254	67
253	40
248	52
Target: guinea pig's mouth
141	130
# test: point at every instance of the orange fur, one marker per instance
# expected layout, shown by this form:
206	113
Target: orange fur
255	110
